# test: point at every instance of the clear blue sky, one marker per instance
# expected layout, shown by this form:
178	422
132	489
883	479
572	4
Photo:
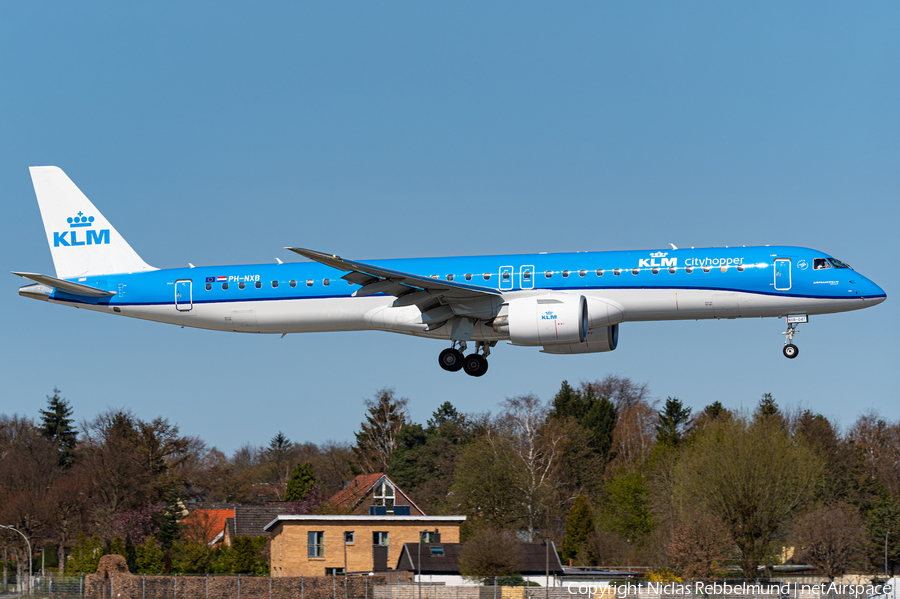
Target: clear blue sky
217	132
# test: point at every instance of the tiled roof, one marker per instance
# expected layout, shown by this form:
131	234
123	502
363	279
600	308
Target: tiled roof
249	520
208	522
355	490
534	558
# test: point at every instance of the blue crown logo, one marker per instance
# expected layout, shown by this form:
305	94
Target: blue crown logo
549	312
659	255
80	221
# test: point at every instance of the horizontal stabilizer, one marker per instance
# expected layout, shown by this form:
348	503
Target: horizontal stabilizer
66	286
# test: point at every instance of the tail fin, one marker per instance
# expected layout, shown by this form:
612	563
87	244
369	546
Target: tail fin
82	242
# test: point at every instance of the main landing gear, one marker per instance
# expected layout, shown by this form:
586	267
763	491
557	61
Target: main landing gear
452	359
790	350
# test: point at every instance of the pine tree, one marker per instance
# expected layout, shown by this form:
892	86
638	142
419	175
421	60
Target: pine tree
377	438
600	420
301	481
766	408
117	547
85	555
714	410
56	425
445	414
130	553
672	421
567	402
169	530
579	529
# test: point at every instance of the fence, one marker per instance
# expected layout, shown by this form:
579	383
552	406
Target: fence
62	587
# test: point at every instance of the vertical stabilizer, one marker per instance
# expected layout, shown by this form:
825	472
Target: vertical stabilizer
82	242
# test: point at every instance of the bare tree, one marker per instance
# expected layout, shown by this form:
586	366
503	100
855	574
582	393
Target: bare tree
831	538
880	443
377	438
699	545
635	433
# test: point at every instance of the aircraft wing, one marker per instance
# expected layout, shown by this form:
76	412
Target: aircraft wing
66	286
375	279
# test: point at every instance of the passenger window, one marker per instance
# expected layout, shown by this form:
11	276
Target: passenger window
634	271
326	282
468	276
449	277
617	271
274	284
820	264
526	275
293	283
505	275
599	272
487	276
208	286
706	269
565	274
655	271
241	285
672	270
548	273
309	282
740	268
258	285
434	276
689	269
581	273
723	268
224	285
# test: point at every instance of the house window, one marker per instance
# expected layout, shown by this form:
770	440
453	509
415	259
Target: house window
349	537
380	538
316	543
437	551
334	571
384	494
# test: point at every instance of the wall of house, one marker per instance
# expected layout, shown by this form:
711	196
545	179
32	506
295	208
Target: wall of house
289	550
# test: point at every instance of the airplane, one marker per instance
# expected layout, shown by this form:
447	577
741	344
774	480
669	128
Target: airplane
564	303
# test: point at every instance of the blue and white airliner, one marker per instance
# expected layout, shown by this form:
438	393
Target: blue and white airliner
569	303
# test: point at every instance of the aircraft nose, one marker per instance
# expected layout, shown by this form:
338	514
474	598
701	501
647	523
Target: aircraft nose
872	293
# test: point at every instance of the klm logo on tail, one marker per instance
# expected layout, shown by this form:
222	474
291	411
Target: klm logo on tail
70	237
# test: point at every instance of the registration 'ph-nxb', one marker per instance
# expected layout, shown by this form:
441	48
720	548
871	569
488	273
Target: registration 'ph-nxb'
568	303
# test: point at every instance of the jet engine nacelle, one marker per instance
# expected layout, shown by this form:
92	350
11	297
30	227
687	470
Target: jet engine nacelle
545	320
598	340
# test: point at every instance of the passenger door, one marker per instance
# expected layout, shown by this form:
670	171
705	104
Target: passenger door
183	299
782	274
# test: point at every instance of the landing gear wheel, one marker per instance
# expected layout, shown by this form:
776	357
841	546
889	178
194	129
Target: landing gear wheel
790	351
475	365
451	359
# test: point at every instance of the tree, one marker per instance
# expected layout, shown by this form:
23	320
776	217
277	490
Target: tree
300	482
117	547
377	438
169	530
767	408
85	555
750	475
491	552
57	426
673	419
579	529
831	538
699	544
626	507
247	553
149	557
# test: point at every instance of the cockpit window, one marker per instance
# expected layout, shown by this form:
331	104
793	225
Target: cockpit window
838	264
820	264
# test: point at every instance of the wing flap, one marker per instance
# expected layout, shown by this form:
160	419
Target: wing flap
66	286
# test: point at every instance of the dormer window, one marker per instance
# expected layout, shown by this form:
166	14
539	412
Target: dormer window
384	494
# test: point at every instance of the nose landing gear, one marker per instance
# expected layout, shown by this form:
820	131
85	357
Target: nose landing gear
790	350
476	364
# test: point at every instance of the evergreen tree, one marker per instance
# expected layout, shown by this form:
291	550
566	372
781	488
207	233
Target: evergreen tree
444	415
766	408
245	554
599	420
672	421
117	547
130	553
377	438
301	481
149	557
85	555
169	530
715	410
57	425
567	402
579	529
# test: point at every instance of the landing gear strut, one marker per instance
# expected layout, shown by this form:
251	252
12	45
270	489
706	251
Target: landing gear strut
475	364
790	350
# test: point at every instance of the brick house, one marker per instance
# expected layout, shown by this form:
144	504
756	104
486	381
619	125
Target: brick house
325	545
373	490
